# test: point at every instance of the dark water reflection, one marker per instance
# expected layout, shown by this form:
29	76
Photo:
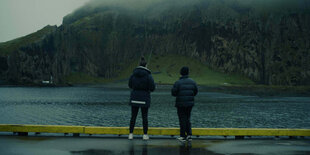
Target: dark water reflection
109	107
135	148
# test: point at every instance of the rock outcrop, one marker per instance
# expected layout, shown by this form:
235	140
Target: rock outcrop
269	46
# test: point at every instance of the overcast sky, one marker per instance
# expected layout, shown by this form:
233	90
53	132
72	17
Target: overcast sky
21	17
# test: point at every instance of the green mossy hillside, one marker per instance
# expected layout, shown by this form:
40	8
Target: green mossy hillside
165	70
7	47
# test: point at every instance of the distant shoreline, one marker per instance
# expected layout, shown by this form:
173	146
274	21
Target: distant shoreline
257	90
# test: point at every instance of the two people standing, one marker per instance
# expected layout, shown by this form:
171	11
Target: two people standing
142	83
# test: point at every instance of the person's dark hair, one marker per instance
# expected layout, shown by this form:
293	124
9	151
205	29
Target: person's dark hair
142	62
184	70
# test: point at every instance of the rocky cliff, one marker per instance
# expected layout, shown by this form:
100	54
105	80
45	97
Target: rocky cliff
268	43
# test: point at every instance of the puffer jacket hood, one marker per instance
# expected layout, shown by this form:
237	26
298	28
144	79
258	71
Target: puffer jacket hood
142	84
141	71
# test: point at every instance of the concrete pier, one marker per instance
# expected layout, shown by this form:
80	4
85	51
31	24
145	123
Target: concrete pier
164	146
63	140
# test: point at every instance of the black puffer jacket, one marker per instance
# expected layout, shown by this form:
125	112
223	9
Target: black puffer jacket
142	84
184	89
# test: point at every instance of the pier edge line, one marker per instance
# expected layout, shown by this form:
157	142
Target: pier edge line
76	130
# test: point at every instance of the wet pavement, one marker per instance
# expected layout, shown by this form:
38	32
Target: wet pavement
120	145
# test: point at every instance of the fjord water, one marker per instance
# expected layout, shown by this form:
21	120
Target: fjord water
103	106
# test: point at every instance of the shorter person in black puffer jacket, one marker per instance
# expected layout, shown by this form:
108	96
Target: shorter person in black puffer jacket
142	84
185	89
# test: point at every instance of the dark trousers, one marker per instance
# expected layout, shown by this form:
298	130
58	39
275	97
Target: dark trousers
184	114
134	113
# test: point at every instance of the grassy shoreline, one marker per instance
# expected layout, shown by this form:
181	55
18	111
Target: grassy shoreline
253	90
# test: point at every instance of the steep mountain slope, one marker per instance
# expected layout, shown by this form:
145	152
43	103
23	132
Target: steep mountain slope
267	42
6	48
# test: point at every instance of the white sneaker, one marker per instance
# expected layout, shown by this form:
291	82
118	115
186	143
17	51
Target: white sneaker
181	139
130	136
146	137
189	138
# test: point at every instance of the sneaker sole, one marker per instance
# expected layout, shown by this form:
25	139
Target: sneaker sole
182	141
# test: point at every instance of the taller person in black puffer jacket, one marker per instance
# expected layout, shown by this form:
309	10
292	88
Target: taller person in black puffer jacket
185	89
142	84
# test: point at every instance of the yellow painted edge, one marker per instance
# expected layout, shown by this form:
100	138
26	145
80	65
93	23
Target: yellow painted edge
250	132
137	130
106	130
154	130
41	128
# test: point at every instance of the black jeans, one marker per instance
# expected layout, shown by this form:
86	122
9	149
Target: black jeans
184	114
134	113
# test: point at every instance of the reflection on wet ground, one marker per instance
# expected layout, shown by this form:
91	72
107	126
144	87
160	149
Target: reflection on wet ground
145	149
155	146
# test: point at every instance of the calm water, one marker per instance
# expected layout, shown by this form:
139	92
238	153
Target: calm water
90	106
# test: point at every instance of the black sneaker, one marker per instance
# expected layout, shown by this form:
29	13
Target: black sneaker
189	138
